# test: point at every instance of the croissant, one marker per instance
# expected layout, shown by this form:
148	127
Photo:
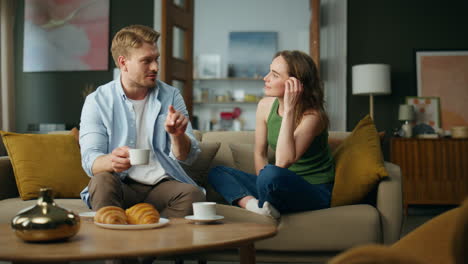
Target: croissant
111	215
142	213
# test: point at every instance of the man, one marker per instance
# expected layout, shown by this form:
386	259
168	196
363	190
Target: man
138	111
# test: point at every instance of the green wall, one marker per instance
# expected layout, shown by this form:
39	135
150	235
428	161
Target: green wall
390	32
55	97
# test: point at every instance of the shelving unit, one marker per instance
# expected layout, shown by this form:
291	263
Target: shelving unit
208	109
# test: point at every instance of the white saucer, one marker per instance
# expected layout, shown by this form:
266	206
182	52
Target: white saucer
87	214
204	220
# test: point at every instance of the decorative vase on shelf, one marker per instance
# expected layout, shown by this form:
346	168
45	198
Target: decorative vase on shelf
45	221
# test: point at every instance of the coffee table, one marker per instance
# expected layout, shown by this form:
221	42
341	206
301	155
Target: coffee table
178	237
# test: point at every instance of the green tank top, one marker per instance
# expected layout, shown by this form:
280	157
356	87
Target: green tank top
316	165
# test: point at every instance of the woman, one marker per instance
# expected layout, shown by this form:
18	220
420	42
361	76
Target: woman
291	120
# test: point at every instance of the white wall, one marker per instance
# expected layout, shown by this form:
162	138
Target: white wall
157	15
214	19
333	41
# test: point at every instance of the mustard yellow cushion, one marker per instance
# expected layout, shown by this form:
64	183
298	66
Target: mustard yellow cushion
76	134
335	138
359	164
45	160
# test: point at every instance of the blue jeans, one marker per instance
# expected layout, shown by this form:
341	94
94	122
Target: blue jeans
282	188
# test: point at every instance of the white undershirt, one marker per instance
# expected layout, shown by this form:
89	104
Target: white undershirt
153	172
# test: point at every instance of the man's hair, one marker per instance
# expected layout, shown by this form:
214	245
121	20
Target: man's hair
131	37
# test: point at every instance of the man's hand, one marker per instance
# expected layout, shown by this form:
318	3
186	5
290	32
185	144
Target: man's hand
120	159
176	122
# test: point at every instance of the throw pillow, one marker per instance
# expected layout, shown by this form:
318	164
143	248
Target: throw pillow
335	138
45	160
243	156
76	134
198	171
359	164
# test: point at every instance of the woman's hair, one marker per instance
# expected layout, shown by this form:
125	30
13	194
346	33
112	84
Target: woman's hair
131	37
302	67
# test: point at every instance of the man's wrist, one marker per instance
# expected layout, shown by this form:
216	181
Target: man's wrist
108	163
181	146
102	163
178	137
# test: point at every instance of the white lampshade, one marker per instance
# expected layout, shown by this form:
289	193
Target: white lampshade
371	79
405	112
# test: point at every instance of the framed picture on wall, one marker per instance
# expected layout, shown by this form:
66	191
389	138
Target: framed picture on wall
250	53
427	110
443	74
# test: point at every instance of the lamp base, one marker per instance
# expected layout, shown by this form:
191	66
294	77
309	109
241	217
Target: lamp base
407	130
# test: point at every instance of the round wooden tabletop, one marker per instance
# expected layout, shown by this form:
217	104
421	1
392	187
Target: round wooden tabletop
93	242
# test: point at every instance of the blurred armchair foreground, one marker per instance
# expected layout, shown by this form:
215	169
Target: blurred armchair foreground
443	239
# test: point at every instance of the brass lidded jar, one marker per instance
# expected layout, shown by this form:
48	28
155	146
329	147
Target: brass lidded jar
45	221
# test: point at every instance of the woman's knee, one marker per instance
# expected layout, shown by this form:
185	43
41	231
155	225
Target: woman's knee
215	174
271	174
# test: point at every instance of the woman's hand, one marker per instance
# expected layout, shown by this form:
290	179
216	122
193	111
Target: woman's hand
292	93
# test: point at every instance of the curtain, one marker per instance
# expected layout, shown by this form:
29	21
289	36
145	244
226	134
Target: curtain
7	86
333	52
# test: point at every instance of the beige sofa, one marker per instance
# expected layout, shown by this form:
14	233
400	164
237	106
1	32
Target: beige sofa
302	237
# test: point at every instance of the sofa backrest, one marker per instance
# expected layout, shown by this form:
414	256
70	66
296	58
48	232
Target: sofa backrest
224	155
8	187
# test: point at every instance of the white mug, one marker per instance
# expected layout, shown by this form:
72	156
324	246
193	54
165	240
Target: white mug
204	210
139	156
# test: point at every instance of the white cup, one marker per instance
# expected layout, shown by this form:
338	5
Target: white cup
139	156
204	210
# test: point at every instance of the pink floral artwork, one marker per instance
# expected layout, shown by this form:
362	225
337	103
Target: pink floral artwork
66	35
444	74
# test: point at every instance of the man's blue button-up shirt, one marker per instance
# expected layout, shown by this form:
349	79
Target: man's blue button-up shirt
108	122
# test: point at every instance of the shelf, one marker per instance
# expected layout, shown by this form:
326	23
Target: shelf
228	79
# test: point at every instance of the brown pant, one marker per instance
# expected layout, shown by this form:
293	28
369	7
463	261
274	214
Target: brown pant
171	198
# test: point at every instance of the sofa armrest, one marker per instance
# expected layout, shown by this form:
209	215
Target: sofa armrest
8	187
390	204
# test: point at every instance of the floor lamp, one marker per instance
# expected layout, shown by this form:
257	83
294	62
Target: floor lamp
371	79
